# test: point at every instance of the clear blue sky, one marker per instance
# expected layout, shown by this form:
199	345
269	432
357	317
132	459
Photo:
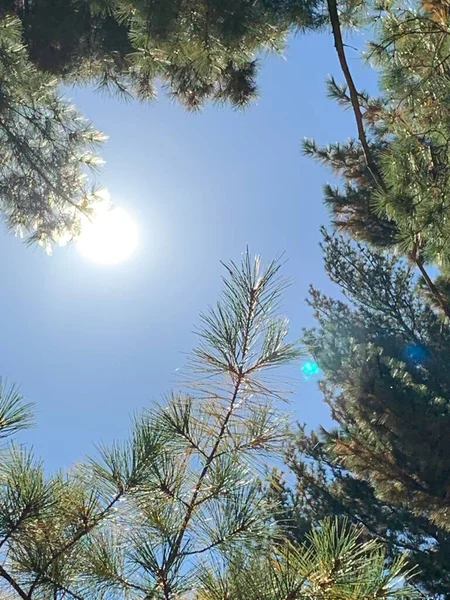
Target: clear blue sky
90	344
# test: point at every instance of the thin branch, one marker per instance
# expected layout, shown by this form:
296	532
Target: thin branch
74	540
16	526
213	545
13	583
370	162
59	586
354	95
240	377
193	502
431	285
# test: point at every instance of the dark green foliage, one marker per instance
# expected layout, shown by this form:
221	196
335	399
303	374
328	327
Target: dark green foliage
384	356
61	34
199	50
196	51
325	487
388	358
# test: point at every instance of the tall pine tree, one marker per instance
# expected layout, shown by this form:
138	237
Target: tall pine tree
384	357
384	353
396	173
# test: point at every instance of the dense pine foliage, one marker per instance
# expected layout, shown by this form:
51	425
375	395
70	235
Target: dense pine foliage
383	351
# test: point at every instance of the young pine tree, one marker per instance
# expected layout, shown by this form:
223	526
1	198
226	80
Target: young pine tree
177	511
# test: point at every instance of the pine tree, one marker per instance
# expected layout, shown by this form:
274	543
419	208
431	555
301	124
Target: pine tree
334	563
197	50
396	174
178	510
46	148
415	164
384	356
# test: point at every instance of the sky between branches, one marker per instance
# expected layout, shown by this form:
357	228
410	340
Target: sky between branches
90	344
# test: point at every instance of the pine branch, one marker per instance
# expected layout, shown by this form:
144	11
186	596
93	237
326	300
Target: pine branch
13	583
371	164
193	502
16	526
350	513
431	285
214	544
76	538
240	378
33	161
64	589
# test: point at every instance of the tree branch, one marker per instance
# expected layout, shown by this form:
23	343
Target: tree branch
431	285
239	379
370	162
216	543
13	583
16	526
78	536
354	96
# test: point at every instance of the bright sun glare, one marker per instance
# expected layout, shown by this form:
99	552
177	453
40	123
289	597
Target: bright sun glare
110	237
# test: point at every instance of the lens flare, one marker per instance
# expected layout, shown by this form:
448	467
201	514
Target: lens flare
415	353
310	369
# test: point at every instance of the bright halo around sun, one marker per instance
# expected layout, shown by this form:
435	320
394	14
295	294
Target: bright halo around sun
110	237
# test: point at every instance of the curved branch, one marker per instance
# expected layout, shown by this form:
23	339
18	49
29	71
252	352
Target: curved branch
370	162
354	95
69	545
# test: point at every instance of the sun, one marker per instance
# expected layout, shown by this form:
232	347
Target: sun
110	237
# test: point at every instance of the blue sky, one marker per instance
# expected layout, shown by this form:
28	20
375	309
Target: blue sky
91	344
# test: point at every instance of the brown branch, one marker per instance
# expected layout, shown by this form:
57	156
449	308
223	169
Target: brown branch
214	544
62	588
240	376
193	502
370	162
432	286
354	95
13	583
